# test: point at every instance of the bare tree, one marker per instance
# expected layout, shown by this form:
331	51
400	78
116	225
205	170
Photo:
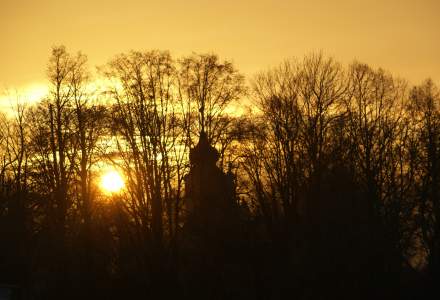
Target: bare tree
299	105
277	93
146	129
378	132
425	111
208	86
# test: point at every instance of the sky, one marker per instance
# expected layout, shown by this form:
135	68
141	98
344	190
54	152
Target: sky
402	36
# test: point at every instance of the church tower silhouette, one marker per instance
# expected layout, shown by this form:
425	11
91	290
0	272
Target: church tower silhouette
209	192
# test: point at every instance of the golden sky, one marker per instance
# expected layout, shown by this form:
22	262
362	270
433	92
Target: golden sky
402	36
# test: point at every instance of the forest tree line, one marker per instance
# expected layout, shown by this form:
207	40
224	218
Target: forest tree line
337	173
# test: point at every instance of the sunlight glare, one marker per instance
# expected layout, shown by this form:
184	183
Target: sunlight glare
112	182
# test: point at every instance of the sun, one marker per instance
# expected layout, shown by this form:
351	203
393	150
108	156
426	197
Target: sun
112	182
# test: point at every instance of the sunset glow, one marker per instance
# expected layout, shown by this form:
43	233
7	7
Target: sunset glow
273	149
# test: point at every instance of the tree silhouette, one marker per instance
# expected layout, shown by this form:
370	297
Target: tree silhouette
315	180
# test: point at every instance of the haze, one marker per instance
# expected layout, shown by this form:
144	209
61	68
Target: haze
401	36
